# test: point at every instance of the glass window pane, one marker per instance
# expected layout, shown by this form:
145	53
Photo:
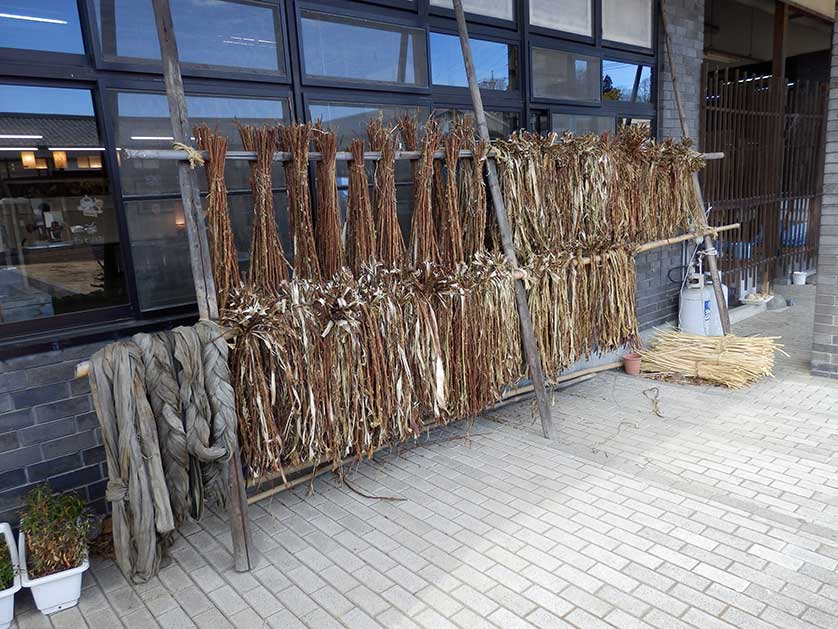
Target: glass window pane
570	16
59	241
51	25
627	21
645	123
363	50
582	124
501	123
142	121
626	81
160	248
212	33
496	63
565	75
501	9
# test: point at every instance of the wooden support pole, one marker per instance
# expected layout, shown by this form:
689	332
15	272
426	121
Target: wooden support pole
527	332
199	257
781	24
709	248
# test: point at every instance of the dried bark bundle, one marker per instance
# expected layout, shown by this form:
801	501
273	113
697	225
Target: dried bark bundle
596	192
327	216
472	191
223	254
268	266
423	243
391	248
360	230
294	139
449	229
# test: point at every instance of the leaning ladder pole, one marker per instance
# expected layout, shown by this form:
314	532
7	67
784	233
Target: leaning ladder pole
199	258
527	333
709	248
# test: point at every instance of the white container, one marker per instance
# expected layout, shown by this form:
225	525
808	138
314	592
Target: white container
799	278
53	592
7	596
699	311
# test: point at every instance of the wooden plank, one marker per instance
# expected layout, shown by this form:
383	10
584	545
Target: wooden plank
199	257
527	332
778	48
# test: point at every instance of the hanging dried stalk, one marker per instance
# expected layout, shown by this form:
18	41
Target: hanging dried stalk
360	230
223	254
268	266
327	218
423	244
473	209
294	139
388	233
449	230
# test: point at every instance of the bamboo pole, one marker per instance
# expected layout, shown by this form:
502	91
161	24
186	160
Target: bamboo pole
527	332
709	247
199	258
280	156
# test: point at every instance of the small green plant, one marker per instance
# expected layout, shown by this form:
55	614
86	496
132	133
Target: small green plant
7	568
56	528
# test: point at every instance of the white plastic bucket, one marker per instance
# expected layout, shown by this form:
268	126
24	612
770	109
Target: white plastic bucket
798	278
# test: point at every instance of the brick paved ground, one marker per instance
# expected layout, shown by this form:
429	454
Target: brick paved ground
723	512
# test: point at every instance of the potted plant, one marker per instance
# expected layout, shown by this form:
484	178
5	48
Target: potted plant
53	548
9	576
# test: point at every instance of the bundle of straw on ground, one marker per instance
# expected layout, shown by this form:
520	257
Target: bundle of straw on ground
294	139
360	229
327	211
223	255
268	266
730	361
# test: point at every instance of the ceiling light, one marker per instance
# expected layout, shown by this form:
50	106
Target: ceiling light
18	148
75	148
152	137
12	136
32	18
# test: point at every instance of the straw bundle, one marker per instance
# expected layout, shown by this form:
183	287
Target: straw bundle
473	212
294	139
327	216
223	254
268	266
423	244
730	361
389	235
360	230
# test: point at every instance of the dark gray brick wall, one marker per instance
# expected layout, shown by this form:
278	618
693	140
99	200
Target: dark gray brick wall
825	340
48	429
657	297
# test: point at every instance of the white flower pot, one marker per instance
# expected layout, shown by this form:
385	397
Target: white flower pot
7	596
53	592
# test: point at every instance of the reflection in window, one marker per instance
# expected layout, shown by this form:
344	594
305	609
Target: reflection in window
570	16
565	75
51	25
582	124
142	122
627	22
160	248
496	63
501	123
500	9
363	50
644	123
59	244
214	33
626	81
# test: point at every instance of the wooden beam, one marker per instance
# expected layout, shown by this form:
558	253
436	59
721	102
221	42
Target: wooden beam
199	258
527	332
781	25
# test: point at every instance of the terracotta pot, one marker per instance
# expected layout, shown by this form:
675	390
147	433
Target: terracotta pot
631	364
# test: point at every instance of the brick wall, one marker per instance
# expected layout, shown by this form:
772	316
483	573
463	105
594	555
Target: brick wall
657	297
48	429
825	340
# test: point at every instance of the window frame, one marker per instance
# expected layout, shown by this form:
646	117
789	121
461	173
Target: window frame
592	40
189	69
622	46
564	47
474	19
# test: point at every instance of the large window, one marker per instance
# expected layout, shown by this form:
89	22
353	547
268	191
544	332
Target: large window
500	9
560	75
235	33
59	241
626	81
627	22
582	123
570	16
50	25
360	50
495	63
